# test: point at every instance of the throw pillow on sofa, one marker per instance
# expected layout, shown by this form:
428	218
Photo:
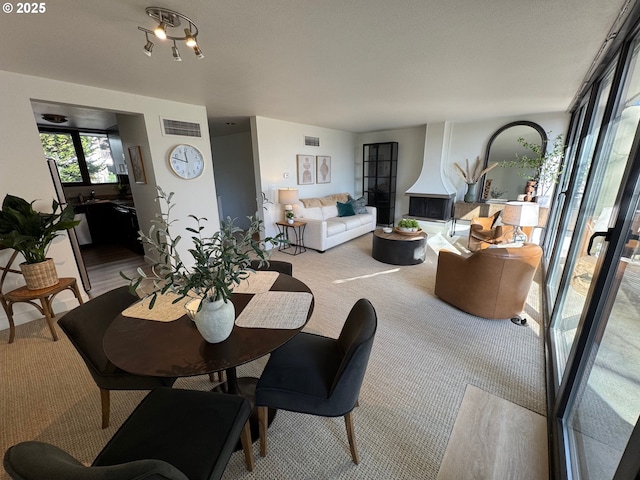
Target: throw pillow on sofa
359	204
345	209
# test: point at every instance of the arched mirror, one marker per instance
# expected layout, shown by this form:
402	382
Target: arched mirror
506	183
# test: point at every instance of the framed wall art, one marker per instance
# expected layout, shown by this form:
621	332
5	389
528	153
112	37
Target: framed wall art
306	169
323	169
137	165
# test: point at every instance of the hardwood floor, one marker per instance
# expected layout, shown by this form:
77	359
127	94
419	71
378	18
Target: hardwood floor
104	264
494	439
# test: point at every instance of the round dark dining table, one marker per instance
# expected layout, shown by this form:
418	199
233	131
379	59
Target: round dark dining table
176	348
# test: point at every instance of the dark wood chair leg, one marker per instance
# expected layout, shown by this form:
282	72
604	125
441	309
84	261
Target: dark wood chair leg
263	415
247	446
106	406
348	420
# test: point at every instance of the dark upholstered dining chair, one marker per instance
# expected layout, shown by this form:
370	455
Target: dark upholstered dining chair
273	266
85	326
173	434
319	375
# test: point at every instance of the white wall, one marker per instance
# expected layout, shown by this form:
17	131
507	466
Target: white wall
24	172
276	144
235	177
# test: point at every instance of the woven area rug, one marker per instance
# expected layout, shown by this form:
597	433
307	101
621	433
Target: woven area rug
424	355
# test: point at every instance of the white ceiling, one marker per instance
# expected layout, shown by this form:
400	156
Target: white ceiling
354	65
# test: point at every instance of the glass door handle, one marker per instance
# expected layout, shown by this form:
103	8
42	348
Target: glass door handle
606	235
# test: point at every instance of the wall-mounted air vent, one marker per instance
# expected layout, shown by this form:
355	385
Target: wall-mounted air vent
177	127
311	141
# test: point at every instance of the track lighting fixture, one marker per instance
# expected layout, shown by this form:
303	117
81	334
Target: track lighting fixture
168	28
190	40
176	53
148	47
161	31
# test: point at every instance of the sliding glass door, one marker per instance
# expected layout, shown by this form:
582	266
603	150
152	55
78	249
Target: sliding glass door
592	206
593	285
605	403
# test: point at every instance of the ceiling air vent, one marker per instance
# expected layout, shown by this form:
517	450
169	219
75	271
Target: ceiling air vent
311	141
177	127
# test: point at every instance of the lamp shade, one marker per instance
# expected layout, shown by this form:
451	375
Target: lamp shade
522	214
287	196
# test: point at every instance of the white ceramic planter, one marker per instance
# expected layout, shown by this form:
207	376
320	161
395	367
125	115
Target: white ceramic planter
214	320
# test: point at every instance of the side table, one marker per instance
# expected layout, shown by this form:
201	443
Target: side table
298	232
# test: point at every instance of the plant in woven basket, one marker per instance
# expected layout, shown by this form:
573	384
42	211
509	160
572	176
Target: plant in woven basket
31	232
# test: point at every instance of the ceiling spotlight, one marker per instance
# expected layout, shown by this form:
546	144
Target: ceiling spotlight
148	47
190	40
54	118
176	53
171	26
161	31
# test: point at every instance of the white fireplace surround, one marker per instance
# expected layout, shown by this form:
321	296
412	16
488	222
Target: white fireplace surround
432	180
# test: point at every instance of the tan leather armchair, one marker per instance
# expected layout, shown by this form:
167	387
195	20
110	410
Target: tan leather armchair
491	283
483	235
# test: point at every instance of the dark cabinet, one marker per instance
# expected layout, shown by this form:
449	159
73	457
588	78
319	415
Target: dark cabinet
380	167
127	227
112	223
101	219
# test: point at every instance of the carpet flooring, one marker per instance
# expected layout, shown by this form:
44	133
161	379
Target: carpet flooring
425	354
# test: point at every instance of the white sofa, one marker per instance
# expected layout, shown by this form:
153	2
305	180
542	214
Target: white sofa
325	229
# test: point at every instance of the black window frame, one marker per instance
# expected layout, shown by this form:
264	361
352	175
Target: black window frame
77	144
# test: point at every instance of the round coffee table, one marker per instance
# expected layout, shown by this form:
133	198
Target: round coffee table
398	249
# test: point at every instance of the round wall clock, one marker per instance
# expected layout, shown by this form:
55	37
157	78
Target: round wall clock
186	161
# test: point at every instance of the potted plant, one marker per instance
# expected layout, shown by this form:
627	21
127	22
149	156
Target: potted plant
543	168
289	215
30	233
408	225
219	263
472	176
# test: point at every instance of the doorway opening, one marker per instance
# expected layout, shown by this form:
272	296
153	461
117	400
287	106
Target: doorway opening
88	167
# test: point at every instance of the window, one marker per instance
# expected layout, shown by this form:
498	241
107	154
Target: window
83	158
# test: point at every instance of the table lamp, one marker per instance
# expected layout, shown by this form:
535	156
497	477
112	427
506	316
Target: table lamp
287	196
520	214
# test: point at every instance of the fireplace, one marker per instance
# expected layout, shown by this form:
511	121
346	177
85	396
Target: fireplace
438	207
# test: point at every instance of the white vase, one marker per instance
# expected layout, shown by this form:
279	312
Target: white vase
214	320
290	221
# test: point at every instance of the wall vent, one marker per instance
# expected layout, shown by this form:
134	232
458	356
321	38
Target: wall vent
311	141
177	127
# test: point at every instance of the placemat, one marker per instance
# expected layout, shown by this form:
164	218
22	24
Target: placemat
163	310
276	310
257	282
